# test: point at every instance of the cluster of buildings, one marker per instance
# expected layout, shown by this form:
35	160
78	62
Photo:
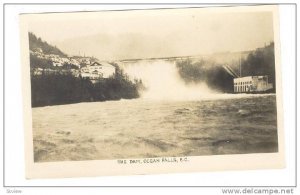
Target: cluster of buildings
86	67
60	61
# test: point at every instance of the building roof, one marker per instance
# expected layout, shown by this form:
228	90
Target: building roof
101	64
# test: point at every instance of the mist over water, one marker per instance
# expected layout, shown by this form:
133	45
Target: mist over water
163	82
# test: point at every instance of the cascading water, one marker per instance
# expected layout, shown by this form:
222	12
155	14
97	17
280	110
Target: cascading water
163	82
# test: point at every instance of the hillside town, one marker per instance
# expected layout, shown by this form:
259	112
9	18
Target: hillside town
86	67
57	78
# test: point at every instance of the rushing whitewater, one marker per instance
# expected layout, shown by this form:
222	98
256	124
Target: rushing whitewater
163	82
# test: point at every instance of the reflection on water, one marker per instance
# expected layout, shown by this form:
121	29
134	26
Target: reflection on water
234	124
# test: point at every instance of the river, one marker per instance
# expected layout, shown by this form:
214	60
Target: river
141	128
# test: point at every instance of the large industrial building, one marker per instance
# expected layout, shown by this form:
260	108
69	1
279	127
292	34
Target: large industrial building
252	84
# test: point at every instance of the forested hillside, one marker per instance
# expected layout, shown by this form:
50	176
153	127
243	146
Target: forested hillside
35	43
258	62
261	62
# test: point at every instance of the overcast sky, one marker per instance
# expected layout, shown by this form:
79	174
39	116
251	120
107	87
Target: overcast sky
154	33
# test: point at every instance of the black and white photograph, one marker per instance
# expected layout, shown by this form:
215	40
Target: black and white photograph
157	84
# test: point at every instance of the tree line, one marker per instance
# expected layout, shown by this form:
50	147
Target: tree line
64	88
261	62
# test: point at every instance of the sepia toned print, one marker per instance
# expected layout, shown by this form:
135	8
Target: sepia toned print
153	84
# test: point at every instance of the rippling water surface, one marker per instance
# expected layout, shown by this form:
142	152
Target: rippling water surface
144	128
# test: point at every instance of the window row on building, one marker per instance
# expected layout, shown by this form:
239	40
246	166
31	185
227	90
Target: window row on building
243	83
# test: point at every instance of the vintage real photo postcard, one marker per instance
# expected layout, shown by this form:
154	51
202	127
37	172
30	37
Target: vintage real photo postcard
151	91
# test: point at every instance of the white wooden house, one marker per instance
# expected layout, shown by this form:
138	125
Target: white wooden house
98	70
